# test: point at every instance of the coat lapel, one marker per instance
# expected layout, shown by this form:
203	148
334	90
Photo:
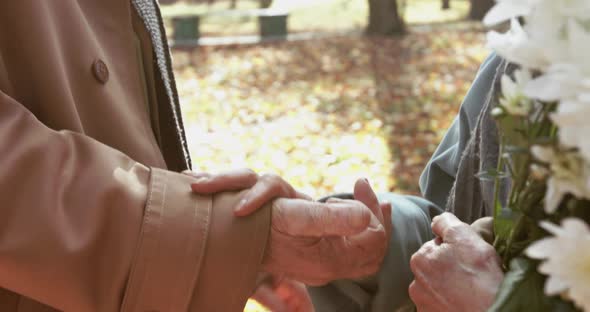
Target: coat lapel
149	12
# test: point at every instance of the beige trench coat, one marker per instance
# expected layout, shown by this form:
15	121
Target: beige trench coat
94	216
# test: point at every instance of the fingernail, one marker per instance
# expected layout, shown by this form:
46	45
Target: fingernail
241	204
367	180
200	180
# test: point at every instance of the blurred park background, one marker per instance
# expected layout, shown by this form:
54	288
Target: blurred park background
358	88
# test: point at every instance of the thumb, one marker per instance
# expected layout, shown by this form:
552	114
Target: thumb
365	194
297	217
443	223
386	210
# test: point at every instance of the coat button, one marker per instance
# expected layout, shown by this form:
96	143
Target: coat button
100	71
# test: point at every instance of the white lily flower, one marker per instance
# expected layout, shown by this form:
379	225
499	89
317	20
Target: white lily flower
578	9
567	260
555	32
572	119
570	174
513	99
561	81
508	9
562	39
567	80
516	46
567	84
579	43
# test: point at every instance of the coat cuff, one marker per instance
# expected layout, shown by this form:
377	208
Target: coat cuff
171	245
233	258
193	253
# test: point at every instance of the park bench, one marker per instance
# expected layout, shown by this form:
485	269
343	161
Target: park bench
272	24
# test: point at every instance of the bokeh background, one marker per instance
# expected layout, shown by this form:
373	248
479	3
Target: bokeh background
358	88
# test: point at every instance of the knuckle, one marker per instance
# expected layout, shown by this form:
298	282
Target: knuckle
416	262
420	259
486	250
274	182
485	255
271	177
428	248
456	230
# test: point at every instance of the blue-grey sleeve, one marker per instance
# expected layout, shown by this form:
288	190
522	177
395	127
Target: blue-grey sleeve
439	174
411	217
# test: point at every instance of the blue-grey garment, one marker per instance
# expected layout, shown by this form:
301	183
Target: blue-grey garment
411	217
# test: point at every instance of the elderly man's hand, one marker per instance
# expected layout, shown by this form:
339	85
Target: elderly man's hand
317	242
458	271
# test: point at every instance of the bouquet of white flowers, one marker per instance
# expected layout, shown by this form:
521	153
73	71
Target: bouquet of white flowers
543	115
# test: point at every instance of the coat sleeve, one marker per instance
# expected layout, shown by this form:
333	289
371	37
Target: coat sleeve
438	177
411	218
86	228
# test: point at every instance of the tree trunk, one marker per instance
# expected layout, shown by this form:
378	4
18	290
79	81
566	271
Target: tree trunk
385	18
265	4
446	4
479	8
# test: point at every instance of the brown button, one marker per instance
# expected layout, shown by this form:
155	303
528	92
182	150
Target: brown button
100	71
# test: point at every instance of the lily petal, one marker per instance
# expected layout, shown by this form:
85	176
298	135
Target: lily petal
554	286
541	249
506	10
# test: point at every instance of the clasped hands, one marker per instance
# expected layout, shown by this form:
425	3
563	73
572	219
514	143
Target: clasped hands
309	242
315	243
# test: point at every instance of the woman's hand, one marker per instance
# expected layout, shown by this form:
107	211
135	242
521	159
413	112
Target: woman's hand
263	188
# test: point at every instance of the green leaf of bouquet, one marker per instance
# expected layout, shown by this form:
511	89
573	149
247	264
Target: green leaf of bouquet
522	290
503	222
513	130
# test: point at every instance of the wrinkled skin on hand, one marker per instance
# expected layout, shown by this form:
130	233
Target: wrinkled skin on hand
310	241
457	271
316	243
